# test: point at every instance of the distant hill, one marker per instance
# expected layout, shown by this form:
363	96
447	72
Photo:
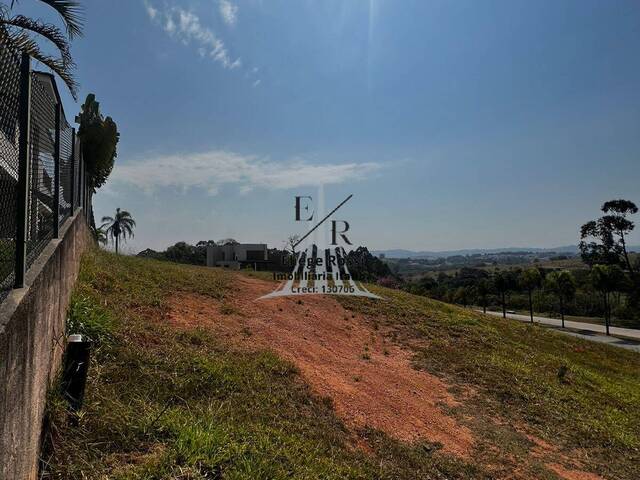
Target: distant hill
400	253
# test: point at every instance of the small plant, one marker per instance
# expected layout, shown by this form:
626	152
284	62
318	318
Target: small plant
563	372
227	309
366	355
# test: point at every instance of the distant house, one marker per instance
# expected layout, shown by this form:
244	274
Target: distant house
237	255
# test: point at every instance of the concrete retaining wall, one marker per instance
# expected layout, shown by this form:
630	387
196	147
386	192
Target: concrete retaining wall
32	327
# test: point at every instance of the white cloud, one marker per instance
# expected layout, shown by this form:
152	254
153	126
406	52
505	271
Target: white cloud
214	169
152	12
186	27
256	83
228	12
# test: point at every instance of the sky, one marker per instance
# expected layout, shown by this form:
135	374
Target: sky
454	124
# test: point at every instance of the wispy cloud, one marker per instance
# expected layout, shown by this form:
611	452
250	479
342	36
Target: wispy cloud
185	26
213	169
228	12
256	83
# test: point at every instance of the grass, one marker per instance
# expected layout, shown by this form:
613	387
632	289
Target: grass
581	395
164	402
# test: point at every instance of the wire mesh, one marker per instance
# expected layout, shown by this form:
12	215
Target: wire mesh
40	208
9	129
41	195
76	173
66	160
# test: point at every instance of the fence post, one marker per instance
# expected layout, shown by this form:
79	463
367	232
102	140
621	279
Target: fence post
82	169
79	184
22	187
72	197
56	176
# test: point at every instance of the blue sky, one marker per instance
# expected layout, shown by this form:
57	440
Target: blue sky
455	124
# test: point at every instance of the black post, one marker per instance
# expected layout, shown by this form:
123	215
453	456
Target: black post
80	174
56	176
72	197
84	189
76	367
22	188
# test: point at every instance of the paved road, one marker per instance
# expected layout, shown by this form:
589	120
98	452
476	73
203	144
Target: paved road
587	331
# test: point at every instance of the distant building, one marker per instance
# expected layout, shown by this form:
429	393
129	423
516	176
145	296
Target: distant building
237	255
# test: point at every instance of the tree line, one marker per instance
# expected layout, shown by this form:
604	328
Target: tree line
609	287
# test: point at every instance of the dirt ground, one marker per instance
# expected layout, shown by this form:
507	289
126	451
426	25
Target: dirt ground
370	380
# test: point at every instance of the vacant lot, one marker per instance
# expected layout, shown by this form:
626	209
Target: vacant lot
193	378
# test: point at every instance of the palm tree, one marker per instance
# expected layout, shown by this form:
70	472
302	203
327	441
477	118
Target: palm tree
100	235
16	33
120	225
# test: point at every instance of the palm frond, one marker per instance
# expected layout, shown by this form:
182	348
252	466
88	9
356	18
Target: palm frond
47	30
127	230
128	221
71	12
23	42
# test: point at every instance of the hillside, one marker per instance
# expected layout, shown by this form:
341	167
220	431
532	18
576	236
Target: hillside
193	378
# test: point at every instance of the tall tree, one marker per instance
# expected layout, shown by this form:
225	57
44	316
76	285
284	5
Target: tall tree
603	241
99	137
121	225
482	290
563	284
616	219
530	279
502	284
607	279
20	33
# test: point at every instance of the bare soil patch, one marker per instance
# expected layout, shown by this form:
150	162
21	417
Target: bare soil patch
370	381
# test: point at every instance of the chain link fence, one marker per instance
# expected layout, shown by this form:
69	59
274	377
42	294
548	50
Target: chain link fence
40	206
9	109
54	184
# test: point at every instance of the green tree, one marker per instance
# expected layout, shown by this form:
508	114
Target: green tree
482	290
100	235
20	33
121	225
563	284
502	284
603	241
607	279
529	280
462	295
99	137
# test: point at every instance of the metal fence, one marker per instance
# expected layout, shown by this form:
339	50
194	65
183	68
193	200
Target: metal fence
42	175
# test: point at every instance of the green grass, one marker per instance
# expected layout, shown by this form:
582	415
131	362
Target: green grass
515	370
169	403
165	402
